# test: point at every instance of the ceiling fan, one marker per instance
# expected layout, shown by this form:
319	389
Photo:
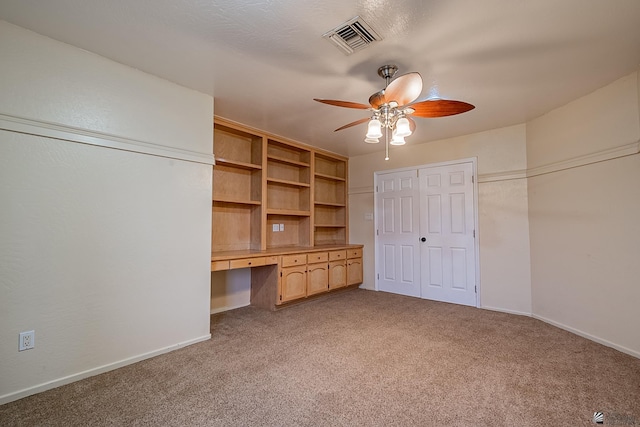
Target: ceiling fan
393	105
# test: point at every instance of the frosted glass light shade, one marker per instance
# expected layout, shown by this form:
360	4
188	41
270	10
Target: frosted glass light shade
371	140
397	139
402	127
374	129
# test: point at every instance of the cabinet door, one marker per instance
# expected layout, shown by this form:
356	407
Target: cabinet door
317	278
354	271
293	283
337	274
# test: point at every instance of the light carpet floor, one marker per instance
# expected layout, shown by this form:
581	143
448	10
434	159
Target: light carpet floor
358	358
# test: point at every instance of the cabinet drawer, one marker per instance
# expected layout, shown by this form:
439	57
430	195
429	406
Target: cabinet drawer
317	257
271	260
290	260
247	262
354	253
219	265
335	255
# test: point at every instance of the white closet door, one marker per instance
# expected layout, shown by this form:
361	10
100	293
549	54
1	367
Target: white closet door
398	249
447	227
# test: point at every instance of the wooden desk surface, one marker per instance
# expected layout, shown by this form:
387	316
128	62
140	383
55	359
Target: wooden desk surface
229	255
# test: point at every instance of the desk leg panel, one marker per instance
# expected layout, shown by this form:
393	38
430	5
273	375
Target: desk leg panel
264	286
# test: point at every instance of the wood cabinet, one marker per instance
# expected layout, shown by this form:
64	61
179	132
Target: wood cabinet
337	269
354	266
293	283
317	278
280	276
277	201
269	192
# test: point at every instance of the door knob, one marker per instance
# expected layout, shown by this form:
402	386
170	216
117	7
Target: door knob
423	239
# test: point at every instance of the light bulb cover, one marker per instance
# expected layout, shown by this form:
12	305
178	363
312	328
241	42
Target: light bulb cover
371	140
402	127
397	140
374	129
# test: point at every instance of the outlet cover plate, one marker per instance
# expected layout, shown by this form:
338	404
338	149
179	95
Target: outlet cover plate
27	340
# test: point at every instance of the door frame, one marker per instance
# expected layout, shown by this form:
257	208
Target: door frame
476	241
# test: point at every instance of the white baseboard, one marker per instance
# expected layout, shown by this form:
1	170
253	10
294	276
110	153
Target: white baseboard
583	334
222	309
504	310
10	397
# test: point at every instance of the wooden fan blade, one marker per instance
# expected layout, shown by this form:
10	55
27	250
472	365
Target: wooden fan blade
357	122
439	108
377	99
405	89
345	104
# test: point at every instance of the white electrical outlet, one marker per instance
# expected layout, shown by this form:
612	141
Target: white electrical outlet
281	227
27	340
276	227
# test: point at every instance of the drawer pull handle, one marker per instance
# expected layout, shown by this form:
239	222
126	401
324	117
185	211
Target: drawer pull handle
249	262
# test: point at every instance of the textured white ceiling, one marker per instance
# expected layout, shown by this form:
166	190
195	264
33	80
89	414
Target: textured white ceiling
265	61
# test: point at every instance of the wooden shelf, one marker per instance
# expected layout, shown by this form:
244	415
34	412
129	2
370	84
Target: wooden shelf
287	212
331	177
337	205
261	180
287	161
242	165
237	202
286	182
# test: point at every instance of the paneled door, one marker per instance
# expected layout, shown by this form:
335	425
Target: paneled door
447	233
398	249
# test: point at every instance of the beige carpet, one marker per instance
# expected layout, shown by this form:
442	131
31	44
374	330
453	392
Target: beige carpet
358	358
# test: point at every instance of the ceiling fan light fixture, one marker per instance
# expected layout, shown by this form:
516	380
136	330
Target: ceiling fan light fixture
397	139
392	105
374	129
402	128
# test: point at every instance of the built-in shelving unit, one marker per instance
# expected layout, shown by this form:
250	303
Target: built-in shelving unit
330	208
237	190
269	192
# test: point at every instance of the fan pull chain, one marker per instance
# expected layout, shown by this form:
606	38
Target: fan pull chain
386	142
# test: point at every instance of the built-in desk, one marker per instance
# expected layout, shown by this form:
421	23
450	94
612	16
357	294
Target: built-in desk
283	275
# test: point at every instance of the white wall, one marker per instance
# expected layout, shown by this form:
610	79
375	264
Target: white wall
584	205
104	252
503	222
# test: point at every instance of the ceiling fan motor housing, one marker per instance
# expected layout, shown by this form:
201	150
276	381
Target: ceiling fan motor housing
387	72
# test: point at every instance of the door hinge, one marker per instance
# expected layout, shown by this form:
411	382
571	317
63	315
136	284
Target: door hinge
377	232
474	234
473	179
476	289
378	276
376	188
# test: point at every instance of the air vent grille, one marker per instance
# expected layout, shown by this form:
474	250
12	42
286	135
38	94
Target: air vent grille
353	35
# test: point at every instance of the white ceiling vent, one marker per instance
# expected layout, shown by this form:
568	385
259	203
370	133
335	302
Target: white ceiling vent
353	35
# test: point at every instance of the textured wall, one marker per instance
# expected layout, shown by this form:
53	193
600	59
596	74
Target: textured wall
584	218
104	252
